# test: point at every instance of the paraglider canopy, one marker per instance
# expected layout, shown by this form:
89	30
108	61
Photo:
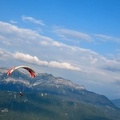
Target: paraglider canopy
32	72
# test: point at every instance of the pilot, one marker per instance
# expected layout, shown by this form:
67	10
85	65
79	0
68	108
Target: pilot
20	94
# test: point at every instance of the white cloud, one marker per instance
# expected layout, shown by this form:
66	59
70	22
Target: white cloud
19	38
78	64
51	43
33	20
28	58
14	36
45	46
103	37
9	30
4	55
106	38
77	36
3	41
63	65
67	33
34	60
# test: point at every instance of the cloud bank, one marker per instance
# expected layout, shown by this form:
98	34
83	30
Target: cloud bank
76	63
34	60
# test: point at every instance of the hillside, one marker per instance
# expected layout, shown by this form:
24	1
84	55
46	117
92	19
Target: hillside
49	98
116	102
50	107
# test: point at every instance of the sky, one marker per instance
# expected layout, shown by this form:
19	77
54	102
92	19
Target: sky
78	40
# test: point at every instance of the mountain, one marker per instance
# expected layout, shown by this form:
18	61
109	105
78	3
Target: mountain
116	102
35	106
47	97
47	83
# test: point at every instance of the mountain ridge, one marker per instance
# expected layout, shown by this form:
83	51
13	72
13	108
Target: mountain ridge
47	83
47	97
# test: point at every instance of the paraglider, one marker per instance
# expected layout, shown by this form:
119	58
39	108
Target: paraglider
20	94
32	72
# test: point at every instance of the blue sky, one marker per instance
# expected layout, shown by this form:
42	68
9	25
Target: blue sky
75	39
